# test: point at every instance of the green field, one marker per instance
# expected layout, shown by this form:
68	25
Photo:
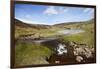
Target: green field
31	54
86	37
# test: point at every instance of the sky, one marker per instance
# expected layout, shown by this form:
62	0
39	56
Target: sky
50	15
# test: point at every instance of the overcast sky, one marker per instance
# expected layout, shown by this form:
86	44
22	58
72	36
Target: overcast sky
42	14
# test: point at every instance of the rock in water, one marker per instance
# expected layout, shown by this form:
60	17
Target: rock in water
79	58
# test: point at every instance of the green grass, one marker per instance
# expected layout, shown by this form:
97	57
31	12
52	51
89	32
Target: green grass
86	37
31	54
41	32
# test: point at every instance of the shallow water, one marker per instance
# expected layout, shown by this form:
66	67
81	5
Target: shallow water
73	31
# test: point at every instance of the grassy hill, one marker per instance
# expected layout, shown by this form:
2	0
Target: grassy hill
74	25
87	37
22	28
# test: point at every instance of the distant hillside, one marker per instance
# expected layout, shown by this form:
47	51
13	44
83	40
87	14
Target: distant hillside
21	24
73	25
34	26
40	26
68	23
90	21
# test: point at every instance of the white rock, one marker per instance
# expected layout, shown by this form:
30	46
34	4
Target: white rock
79	58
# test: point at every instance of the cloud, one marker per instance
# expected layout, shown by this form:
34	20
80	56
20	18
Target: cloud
50	10
63	9
88	10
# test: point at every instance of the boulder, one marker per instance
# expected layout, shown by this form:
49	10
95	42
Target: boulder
80	51
79	58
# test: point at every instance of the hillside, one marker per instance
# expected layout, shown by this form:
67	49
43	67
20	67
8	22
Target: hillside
22	28
26	25
68	23
73	25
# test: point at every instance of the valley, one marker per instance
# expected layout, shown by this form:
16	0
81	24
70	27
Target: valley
39	44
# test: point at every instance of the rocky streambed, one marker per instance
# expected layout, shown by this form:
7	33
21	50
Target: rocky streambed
68	52
71	53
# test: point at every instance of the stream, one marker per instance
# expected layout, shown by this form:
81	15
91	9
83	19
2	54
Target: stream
73	31
63	53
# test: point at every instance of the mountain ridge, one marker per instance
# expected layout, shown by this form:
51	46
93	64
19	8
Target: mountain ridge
21	24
